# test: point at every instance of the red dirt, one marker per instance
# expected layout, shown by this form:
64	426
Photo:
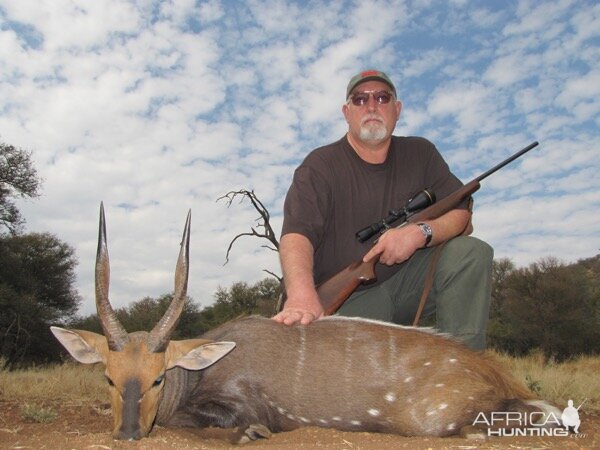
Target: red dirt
86	426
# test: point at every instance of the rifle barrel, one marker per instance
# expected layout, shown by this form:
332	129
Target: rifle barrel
507	161
334	291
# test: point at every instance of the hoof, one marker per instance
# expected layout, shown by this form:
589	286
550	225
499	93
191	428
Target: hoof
473	433
252	433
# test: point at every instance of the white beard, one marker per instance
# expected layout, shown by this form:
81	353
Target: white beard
373	133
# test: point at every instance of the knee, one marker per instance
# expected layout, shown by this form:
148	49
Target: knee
470	249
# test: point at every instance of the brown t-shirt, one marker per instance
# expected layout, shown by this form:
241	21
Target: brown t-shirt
335	193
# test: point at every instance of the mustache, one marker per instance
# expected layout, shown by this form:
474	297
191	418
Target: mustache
371	117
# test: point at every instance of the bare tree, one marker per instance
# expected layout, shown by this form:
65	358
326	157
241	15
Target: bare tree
262	230
262	222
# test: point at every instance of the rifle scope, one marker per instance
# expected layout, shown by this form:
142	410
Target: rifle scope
420	201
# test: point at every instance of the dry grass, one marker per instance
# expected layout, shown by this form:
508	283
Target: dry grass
577	380
70	382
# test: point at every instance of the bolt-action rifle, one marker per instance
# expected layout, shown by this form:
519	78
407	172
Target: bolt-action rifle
334	291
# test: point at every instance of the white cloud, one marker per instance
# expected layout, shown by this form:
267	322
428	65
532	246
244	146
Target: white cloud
425	62
66	25
160	107
583	89
535	16
512	68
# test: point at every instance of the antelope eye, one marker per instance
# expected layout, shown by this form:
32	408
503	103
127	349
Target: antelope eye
159	380
110	382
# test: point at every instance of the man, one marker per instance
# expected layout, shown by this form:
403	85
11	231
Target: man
354	182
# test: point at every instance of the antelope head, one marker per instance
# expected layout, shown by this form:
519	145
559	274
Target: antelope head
136	362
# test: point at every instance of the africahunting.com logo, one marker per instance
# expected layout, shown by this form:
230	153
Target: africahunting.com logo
538	423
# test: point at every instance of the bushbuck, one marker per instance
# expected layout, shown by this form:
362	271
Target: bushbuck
258	376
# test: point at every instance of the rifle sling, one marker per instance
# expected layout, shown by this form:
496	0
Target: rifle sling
428	281
433	264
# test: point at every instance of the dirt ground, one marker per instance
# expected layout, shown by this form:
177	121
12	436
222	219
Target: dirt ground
87	427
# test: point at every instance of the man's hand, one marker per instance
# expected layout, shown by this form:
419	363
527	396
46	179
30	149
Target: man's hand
302	311
303	304
397	245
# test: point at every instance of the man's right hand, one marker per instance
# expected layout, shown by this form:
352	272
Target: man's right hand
302	305
302	311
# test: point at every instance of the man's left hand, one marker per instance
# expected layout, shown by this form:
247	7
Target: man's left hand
397	245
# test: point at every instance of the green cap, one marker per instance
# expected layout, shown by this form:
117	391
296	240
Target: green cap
369	75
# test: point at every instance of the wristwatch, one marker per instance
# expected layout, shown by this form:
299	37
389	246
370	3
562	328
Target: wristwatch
426	230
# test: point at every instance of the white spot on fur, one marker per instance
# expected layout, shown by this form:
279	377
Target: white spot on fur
374	412
408	379
336	418
355	422
439	385
456	391
323	421
451	426
390	397
431	413
304	419
443	406
428	363
453	360
291	417
281	410
471	397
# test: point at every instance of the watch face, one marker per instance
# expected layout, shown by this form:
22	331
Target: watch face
426	229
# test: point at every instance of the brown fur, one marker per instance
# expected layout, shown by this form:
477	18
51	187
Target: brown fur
348	374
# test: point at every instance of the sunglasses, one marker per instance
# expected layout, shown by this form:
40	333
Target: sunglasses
362	98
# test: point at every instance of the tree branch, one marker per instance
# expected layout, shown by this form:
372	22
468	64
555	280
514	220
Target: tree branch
263	222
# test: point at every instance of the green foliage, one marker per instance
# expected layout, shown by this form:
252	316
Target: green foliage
37	276
239	299
36	271
18	178
144	314
550	306
38	414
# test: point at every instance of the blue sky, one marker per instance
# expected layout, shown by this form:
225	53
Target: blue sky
156	107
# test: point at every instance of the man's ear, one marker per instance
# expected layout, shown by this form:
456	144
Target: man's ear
196	354
398	109
85	346
345	111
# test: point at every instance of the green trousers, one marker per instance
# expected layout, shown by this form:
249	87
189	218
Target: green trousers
460	295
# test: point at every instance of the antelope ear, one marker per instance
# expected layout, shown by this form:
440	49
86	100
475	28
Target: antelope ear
85	346
196	354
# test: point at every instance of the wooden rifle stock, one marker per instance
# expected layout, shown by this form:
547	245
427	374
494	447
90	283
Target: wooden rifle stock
334	291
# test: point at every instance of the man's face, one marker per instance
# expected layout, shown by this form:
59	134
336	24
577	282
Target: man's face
372	122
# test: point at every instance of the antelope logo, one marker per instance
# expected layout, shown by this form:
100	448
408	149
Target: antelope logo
344	373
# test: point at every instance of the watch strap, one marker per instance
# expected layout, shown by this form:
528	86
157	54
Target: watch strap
427	232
